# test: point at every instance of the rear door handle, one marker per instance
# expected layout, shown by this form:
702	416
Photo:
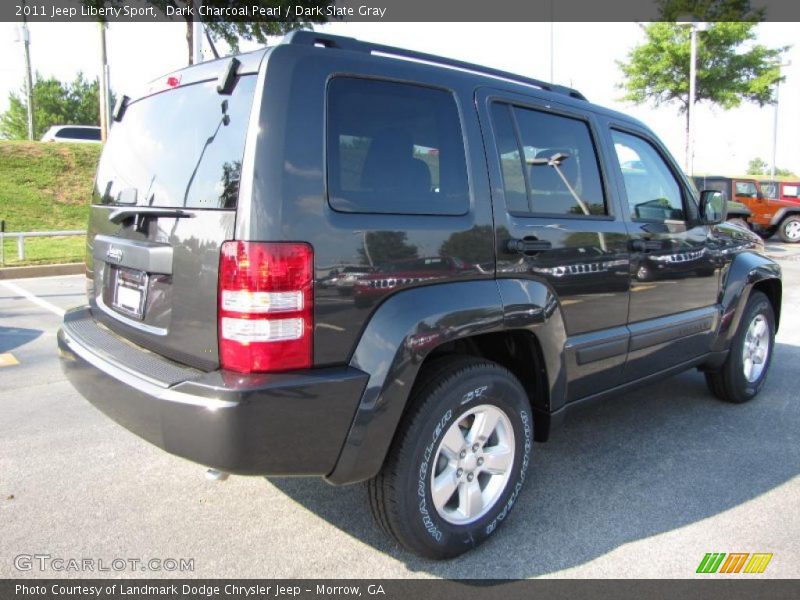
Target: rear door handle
527	246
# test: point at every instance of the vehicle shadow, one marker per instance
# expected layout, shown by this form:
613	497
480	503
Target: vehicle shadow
13	337
651	461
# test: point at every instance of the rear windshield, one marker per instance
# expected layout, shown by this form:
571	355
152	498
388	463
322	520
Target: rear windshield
182	148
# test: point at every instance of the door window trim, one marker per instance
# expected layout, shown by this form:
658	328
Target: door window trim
542	106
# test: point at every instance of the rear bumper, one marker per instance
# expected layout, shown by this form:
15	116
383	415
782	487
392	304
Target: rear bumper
260	424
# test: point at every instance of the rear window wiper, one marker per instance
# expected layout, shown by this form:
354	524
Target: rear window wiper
121	214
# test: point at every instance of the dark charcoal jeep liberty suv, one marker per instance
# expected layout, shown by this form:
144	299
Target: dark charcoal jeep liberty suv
517	251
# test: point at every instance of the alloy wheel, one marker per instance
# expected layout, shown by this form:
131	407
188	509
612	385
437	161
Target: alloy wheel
472	464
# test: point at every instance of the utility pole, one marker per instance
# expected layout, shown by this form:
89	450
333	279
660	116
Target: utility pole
695	27
692	94
197	34
103	100
26	42
775	120
552	41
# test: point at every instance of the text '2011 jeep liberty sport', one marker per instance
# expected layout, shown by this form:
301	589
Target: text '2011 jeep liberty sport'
514	250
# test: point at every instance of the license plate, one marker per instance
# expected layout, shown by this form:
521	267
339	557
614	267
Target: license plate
130	292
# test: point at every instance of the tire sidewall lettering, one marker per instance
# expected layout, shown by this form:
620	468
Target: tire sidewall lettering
528	435
422	495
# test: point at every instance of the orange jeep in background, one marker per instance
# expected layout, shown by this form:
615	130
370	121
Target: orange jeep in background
769	216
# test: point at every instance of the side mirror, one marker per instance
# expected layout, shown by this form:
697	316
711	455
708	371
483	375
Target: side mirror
713	207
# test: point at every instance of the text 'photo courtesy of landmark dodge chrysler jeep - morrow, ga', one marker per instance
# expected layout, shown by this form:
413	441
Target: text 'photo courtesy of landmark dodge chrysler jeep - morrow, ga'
339	259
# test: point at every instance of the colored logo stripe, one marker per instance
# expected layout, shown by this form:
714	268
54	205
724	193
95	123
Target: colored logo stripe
758	562
734	562
713	562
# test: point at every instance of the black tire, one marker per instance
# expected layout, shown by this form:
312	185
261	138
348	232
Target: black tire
789	229
730	383
765	234
400	495
740	222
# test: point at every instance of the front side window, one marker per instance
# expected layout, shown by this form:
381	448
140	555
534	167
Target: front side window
746	189
394	148
652	190
548	162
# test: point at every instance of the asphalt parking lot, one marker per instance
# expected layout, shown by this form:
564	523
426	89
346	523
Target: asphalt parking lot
639	486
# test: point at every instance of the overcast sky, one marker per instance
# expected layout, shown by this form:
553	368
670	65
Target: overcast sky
584	57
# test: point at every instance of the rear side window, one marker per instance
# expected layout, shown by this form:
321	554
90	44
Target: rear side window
394	148
511	161
769	189
549	163
791	191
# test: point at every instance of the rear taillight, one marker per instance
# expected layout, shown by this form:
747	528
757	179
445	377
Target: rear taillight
265	306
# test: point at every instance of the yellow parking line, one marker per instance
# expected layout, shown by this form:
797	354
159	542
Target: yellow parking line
8	360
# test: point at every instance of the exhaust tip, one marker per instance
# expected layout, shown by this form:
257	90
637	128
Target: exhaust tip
214	475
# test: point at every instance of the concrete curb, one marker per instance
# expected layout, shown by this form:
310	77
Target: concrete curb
41	271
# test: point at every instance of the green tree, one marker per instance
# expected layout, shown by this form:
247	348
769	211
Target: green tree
731	67
709	10
54	103
759	166
470	245
385	247
231	31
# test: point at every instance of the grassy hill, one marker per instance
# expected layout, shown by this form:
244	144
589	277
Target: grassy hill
46	187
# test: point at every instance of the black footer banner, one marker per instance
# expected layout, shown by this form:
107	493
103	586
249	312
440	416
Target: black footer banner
398	589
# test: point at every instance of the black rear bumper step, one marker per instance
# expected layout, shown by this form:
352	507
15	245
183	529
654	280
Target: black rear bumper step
251	424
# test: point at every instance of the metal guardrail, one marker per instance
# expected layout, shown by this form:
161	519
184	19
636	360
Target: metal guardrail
21	235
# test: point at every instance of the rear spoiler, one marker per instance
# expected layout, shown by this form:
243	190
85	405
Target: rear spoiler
213	70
